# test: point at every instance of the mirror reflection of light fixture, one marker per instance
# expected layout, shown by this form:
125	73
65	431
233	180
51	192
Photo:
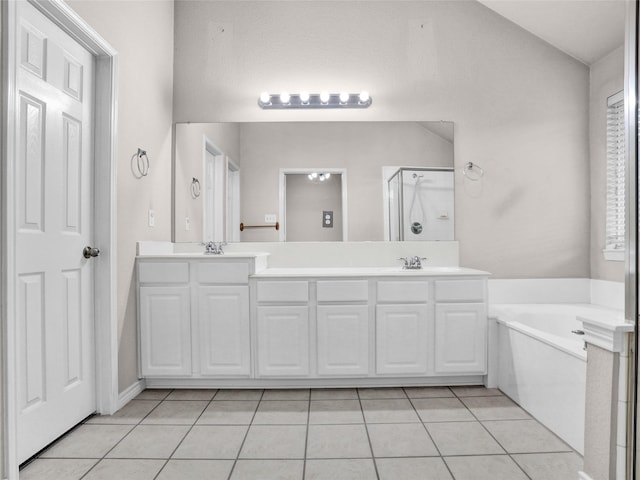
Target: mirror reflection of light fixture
316	177
268	101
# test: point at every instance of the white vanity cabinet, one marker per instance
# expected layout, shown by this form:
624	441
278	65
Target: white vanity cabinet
342	327
213	321
402	327
282	328
165	312
194	317
460	327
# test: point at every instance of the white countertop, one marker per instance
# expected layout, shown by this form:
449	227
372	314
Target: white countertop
367	272
202	255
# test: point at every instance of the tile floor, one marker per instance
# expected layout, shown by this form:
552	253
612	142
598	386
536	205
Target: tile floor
461	433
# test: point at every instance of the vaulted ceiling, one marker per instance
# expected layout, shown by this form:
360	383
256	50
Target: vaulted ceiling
585	29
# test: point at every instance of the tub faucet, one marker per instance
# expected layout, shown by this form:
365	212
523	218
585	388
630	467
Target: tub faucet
213	248
412	263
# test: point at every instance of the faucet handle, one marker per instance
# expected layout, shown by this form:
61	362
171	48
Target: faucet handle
406	260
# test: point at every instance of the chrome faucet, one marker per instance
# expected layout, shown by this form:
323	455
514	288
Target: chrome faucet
213	248
412	263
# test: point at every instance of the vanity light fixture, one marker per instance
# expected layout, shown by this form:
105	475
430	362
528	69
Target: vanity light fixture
268	101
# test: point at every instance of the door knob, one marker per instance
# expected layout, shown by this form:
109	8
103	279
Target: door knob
89	252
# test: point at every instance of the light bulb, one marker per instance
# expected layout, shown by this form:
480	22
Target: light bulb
314	175
324	97
327	175
364	96
304	97
344	97
284	98
322	177
265	97
310	176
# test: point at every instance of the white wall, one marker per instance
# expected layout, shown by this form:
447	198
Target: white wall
142	33
606	77
520	106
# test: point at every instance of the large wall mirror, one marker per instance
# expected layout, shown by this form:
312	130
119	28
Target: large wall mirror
315	181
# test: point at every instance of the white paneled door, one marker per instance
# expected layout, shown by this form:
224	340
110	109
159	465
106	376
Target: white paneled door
54	202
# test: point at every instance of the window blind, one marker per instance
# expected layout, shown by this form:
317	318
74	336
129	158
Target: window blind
615	215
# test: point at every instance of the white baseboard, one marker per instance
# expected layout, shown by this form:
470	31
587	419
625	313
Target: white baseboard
130	393
584	476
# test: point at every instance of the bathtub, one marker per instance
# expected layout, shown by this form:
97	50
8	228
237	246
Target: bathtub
542	365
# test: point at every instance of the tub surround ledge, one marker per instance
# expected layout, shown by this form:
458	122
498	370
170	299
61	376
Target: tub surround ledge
607	331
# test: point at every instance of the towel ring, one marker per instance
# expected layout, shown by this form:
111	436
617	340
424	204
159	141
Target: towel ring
142	162
472	171
195	188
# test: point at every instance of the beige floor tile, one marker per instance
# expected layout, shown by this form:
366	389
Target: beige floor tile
131	414
476	391
268	470
441	410
212	442
377	393
428	392
57	468
494	467
282	412
463	438
240	394
344	469
335	412
401	440
196	470
234	412
412	469
88	441
525	436
549	466
154	394
338	441
112	469
177	412
274	442
494	408
397	410
286	394
334	394
192	394
150	441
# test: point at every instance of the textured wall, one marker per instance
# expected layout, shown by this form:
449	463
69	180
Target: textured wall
142	33
520	106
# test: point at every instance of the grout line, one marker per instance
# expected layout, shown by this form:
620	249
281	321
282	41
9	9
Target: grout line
366	428
446	465
306	438
186	434
235	462
133	427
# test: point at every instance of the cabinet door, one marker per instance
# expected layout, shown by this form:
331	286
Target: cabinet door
401	339
165	331
461	338
343	339
283	341
223	330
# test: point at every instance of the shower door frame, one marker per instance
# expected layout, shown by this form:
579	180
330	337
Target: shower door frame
401	195
631	256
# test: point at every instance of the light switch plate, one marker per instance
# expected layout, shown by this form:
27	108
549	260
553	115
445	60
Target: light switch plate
152	218
187	224
270	218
